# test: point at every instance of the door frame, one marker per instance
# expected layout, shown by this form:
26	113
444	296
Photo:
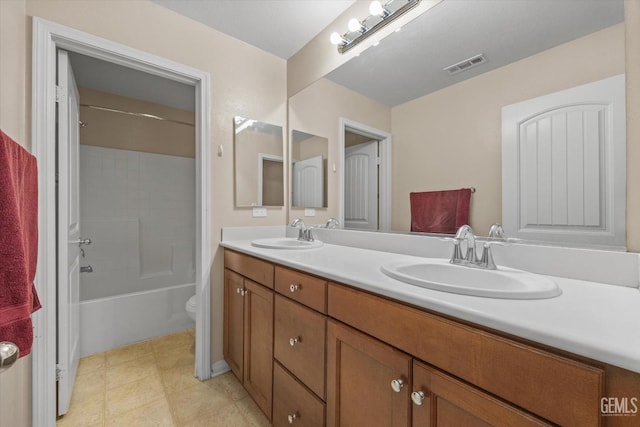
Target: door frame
47	37
261	158
384	171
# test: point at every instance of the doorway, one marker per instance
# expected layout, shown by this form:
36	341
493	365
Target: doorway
48	38
364	176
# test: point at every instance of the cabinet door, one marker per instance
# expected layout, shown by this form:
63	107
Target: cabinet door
442	401
234	322
258	344
360	371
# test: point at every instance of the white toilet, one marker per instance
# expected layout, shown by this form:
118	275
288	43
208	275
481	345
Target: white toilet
190	306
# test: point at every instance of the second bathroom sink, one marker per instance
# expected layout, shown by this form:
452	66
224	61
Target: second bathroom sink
440	275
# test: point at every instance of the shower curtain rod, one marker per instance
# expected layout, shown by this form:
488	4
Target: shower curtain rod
130	113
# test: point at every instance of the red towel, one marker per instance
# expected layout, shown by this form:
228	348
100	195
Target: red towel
440	211
18	243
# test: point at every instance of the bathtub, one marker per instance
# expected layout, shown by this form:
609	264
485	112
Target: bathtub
107	323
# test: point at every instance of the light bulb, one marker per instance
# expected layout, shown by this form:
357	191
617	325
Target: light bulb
375	8
354	25
336	38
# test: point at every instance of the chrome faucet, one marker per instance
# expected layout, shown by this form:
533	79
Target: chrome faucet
464	233
470	259
304	233
332	223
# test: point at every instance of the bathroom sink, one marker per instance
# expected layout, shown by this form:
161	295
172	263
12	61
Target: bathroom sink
440	275
285	243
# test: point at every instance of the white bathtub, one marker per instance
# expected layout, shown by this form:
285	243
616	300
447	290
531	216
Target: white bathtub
107	323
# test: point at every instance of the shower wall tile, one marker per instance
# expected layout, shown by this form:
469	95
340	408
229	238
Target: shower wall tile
139	211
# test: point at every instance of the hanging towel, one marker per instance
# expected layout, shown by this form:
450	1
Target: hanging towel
440	211
18	243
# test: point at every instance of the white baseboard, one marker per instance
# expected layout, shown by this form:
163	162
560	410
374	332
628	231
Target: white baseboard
218	368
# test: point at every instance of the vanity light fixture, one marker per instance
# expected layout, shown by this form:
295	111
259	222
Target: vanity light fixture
380	15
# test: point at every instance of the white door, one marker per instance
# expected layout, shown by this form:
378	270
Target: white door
308	183
564	163
361	186
68	232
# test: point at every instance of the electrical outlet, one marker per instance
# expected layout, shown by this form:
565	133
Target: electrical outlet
259	212
309	212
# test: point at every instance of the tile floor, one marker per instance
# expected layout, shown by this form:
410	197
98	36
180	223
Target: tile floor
151	383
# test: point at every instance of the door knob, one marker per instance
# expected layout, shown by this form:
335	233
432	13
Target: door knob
295	340
9	353
294	287
417	397
397	385
292	417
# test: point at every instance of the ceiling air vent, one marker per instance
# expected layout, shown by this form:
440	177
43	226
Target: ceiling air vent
466	64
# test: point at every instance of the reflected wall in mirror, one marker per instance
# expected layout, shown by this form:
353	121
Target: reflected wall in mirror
259	163
447	128
309	154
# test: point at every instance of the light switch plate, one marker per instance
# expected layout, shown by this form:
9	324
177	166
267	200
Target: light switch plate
309	212
259	212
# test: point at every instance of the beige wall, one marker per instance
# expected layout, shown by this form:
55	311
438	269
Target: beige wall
245	81
452	138
127	132
15	383
316	110
632	38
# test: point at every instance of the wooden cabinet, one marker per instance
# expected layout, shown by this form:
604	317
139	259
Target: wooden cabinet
248	327
368	382
441	400
314	352
299	348
299	342
293	403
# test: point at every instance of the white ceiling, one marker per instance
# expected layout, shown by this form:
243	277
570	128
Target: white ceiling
281	27
403	67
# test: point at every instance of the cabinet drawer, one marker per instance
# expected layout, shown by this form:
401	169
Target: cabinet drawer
255	269
299	342
453	402
292	398
308	290
556	388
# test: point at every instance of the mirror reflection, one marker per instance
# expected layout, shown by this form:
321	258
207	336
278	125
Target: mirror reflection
258	162
447	127
309	155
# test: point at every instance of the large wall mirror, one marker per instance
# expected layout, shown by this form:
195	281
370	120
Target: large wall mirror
259	163
309	155
446	122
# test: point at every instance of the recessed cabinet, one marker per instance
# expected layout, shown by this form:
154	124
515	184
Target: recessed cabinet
248	332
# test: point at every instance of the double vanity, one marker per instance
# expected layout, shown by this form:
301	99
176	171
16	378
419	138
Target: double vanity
336	331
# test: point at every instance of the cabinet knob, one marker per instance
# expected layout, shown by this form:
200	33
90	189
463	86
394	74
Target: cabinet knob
241	292
295	340
238	290
417	397
294	287
397	385
292	417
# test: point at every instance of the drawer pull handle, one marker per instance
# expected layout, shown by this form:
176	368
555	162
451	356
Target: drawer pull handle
295	340
292	417
397	385
417	397
294	287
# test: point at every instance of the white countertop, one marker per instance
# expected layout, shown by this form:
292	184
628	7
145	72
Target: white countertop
591	319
